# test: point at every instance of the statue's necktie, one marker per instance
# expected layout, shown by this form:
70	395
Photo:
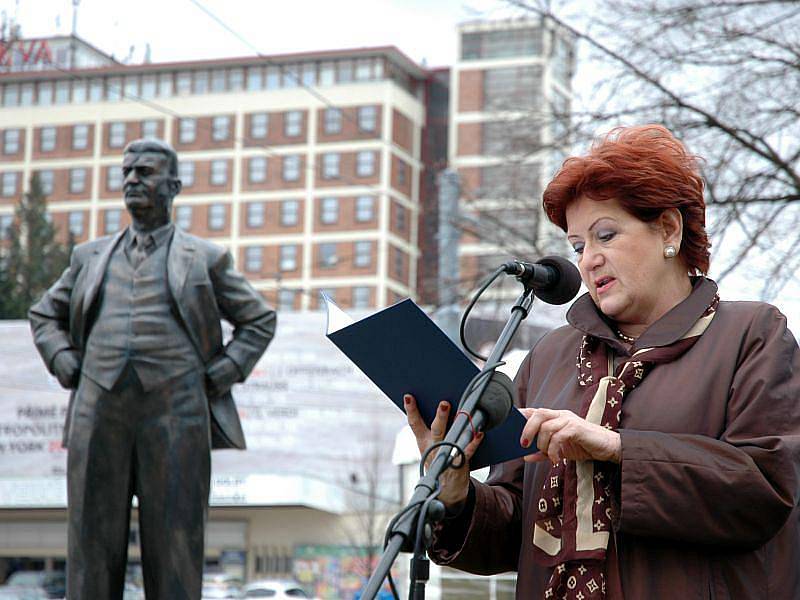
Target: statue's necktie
141	248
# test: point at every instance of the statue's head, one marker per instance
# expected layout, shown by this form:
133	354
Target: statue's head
150	181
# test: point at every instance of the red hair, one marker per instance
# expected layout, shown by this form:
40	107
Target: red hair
647	171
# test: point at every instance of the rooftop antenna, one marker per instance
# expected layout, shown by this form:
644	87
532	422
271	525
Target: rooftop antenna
73	45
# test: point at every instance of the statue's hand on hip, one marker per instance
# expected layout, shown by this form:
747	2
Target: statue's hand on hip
67	368
221	374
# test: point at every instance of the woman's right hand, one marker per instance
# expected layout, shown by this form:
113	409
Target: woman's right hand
454	482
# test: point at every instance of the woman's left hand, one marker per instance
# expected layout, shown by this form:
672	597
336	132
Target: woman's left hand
563	434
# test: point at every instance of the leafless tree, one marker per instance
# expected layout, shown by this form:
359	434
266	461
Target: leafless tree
724	75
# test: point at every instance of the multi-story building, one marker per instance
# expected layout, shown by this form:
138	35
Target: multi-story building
306	166
509	111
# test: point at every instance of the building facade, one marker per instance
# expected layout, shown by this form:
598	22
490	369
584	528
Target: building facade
509	118
306	167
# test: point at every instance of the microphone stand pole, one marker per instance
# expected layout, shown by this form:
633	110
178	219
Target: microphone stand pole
403	534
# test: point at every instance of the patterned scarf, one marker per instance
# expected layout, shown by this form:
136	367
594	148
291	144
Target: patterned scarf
573	521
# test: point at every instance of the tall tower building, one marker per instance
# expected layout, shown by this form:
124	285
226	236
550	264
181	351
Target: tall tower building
509	106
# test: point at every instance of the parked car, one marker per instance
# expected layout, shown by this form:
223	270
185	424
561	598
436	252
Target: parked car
53	584
221	591
280	589
13	592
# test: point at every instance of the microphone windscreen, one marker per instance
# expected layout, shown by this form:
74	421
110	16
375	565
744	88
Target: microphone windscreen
566	285
496	400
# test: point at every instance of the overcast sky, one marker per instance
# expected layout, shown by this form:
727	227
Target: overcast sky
179	29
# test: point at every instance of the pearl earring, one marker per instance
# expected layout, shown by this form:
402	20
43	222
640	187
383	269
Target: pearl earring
670	252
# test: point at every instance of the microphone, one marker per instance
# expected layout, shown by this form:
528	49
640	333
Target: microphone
554	279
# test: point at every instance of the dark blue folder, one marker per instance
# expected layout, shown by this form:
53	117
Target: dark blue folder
403	352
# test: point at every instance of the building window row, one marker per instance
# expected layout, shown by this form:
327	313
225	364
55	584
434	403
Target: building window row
137	86
366	119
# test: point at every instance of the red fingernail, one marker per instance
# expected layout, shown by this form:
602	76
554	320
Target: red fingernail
444	406
525	442
407	399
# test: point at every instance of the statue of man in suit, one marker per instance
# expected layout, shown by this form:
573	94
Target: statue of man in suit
132	327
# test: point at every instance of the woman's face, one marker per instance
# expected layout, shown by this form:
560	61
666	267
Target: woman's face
621	261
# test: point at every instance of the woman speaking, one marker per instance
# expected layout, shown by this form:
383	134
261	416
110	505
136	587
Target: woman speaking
667	421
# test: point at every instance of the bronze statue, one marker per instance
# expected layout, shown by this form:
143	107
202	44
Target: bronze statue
133	328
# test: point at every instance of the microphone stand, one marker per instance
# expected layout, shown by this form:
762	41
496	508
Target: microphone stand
460	434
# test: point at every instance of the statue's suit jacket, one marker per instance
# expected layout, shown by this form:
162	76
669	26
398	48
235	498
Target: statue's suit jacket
204	287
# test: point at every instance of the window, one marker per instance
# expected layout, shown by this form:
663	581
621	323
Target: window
150	128
79	91
292	123
330	165
183	217
112	220
367	118
327	255
309	77
257	169
512	88
77	181
287	258
363	69
80	137
218	80
62	92
291	168
329	211
219	172
398	263
360	297
345	71
252	259
11	141
236	79
365	163
76	223
165	85
46	181
290	212
26	95
401	172
47	139
255	214
116	135
333	120
273	78
184	83
45	94
291	76
286	299
114	89
148	87
200	82
131	87
113	178
259	125
255	78
96	90
329	292
6	221
9	184
220	128
365	209
216	217
186	173
327	73
11	95
187	131
400	218
501	44
363	254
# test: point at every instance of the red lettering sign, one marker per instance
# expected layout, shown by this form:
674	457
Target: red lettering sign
34	52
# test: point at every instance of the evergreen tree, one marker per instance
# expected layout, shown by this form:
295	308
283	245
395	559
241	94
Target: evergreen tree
32	259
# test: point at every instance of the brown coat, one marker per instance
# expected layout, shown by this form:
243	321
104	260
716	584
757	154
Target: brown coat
708	483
